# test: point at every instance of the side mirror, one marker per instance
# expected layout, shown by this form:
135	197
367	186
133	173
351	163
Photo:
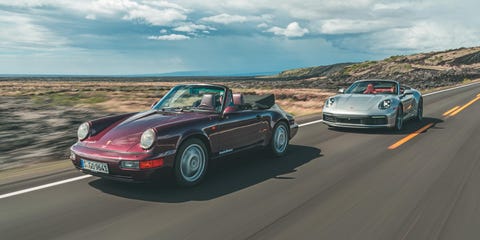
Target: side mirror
229	109
407	92
153	104
341	90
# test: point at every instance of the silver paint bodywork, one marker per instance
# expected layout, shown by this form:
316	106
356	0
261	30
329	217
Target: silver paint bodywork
363	111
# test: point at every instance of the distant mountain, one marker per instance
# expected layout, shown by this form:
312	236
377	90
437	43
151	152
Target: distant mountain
205	74
150	75
423	70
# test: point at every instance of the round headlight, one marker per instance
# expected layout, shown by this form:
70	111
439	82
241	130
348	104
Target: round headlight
330	102
147	139
385	104
83	131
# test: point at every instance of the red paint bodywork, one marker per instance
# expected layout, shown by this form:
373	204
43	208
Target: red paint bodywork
117	138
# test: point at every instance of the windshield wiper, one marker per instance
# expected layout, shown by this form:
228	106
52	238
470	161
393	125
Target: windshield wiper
174	109
178	109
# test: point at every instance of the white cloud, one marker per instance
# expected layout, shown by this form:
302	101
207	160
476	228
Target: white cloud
343	26
225	19
426	36
171	37
91	17
163	31
262	25
292	30
191	27
166	4
390	24
394	6
20	31
154	16
157	13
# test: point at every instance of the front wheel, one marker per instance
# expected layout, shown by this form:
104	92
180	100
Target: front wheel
399	119
280	140
419	116
191	162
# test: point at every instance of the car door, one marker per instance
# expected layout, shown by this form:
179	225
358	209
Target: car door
237	130
408	101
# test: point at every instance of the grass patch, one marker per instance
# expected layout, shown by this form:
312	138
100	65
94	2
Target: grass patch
358	67
68	99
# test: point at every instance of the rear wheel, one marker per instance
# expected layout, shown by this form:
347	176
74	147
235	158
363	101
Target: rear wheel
280	140
419	116
399	119
191	162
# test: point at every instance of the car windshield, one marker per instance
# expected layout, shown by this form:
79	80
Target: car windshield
373	87
192	98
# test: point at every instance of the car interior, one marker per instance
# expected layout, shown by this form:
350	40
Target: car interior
371	89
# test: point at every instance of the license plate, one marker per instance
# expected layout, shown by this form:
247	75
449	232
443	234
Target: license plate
94	166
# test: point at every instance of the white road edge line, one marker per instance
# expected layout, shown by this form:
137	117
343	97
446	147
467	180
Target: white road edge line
87	176
310	123
43	186
450	89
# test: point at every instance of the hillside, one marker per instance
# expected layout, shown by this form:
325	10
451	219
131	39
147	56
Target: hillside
423	70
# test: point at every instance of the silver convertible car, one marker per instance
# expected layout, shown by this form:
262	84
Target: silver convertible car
373	104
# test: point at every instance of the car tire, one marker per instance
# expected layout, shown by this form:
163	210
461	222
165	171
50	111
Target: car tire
399	119
419	116
191	162
280	140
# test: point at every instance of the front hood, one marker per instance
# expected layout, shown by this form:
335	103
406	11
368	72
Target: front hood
358	102
125	136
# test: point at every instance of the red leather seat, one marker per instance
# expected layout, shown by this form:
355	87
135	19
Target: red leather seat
207	101
238	99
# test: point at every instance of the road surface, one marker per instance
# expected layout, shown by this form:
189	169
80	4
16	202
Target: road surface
333	184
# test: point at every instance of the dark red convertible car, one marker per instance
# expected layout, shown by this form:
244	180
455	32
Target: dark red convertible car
188	126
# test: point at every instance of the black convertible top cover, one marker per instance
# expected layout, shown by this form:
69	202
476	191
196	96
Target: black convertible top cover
260	101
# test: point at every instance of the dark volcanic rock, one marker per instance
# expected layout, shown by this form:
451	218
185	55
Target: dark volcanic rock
468	59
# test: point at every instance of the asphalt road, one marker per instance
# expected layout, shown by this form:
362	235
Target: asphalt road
332	185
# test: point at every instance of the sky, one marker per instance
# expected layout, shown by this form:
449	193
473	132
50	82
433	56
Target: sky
125	37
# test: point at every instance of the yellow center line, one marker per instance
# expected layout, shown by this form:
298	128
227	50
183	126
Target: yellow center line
450	111
410	136
464	106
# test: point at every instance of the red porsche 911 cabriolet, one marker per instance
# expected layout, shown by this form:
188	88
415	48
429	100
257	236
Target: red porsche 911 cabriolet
188	126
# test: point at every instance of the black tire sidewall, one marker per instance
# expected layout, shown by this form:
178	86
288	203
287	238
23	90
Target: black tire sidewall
399	111
420	114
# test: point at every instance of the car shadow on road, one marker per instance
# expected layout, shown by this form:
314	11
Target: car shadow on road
224	176
408	127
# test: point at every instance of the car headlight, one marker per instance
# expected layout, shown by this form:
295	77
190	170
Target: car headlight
83	131
329	102
147	139
385	104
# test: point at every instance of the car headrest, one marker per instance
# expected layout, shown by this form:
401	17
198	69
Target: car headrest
207	101
238	99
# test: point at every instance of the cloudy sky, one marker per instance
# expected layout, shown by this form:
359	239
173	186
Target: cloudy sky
222	36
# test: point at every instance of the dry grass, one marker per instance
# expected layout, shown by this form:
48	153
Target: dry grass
129	96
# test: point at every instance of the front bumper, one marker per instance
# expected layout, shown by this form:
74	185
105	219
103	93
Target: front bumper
113	159
293	130
359	121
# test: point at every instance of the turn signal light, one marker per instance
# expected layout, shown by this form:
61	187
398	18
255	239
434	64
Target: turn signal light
151	163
